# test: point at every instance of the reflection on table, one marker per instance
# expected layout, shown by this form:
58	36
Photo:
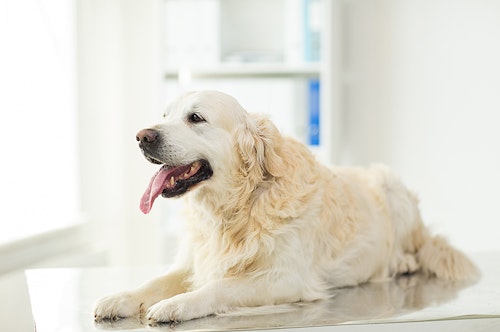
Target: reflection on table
63	300
366	302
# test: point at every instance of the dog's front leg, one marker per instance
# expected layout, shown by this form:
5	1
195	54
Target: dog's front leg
215	297
137	301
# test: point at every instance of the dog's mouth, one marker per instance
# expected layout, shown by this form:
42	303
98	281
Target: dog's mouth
171	181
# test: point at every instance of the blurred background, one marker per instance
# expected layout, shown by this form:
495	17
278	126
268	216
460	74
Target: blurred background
414	84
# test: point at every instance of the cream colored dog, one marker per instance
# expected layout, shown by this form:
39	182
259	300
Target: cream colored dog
267	223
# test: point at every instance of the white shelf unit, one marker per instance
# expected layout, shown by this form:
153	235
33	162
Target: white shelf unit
246	70
257	51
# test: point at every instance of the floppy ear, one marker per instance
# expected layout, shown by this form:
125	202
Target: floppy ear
258	142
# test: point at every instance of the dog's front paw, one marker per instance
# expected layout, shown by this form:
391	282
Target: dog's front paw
177	309
118	306
167	311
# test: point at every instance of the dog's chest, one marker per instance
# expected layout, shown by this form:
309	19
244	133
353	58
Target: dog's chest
209	263
216	257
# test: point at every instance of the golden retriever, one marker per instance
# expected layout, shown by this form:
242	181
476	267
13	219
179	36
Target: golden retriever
268	224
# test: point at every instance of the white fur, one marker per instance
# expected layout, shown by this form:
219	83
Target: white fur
273	225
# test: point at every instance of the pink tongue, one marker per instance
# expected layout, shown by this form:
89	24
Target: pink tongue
155	188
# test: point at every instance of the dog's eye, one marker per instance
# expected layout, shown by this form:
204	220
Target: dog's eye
195	118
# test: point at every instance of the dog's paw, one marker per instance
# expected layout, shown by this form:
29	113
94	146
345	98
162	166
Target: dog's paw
407	264
118	306
177	309
167	311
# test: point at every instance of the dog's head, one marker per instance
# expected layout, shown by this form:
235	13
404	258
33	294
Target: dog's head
205	138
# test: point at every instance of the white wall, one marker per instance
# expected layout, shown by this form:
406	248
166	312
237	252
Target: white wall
120	93
422	94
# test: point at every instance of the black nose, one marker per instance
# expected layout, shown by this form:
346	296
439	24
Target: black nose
147	136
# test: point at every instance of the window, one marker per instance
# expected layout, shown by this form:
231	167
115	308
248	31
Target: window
38	171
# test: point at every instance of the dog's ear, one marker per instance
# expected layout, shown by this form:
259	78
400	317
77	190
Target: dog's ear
259	145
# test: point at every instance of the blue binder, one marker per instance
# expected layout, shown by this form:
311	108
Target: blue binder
314	115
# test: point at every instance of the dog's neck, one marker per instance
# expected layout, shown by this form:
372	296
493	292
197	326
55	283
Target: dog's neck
233	198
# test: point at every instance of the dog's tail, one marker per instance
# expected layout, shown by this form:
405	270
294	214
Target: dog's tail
437	257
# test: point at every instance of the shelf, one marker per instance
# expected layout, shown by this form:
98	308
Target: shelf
247	70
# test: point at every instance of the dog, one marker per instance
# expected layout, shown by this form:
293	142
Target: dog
266	223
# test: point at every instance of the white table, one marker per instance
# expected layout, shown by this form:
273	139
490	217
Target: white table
63	299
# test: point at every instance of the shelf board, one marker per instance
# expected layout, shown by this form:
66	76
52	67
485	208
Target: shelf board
247	70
